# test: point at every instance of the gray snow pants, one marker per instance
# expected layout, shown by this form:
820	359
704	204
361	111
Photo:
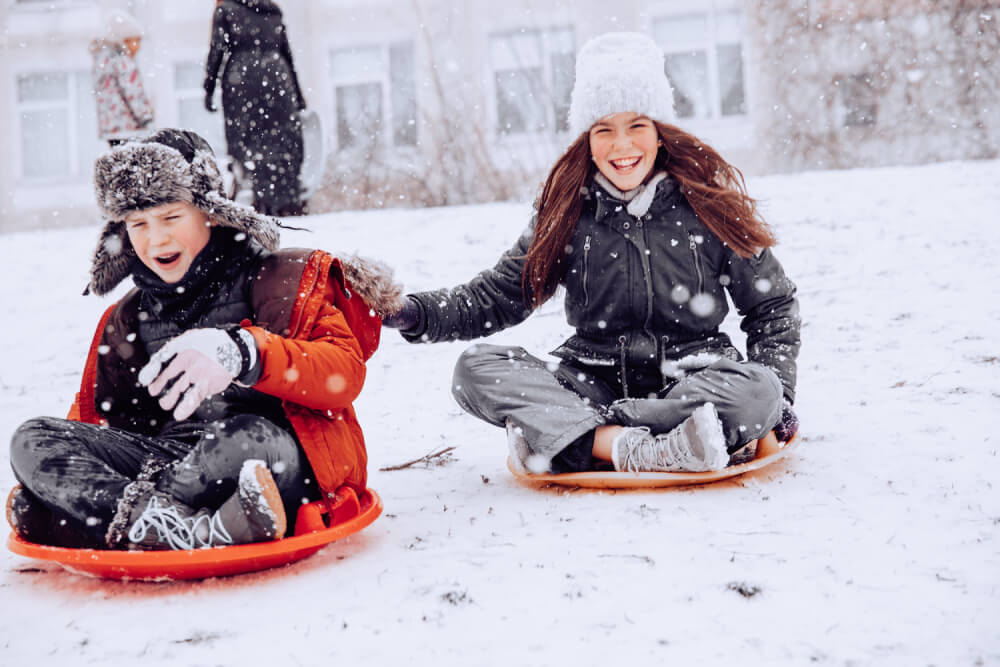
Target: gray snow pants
78	471
558	406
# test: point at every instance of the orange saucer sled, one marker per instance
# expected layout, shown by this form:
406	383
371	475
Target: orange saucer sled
316	526
769	450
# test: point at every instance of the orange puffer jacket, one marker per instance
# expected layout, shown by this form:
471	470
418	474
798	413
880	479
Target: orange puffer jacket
313	342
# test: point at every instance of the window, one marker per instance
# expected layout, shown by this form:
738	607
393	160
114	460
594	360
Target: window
704	60
57	120
858	100
532	79
191	112
375	96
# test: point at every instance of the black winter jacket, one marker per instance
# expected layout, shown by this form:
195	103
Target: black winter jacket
260	97
638	291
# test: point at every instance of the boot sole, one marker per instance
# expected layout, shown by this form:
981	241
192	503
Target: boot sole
256	480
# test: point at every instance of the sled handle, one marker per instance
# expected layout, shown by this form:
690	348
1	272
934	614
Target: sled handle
320	514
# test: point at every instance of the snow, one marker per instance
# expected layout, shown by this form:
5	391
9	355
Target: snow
876	543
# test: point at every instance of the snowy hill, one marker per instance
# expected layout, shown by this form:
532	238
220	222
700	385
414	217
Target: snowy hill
875	544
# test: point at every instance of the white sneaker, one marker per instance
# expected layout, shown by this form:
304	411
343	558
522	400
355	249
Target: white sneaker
696	445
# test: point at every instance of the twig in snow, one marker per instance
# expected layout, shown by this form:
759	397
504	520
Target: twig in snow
644	559
436	458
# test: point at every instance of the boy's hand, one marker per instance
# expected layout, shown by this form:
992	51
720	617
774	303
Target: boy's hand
199	363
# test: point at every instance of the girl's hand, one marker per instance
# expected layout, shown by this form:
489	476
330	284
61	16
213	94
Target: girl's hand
408	317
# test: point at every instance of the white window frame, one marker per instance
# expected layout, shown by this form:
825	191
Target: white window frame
71	104
709	45
545	51
387	139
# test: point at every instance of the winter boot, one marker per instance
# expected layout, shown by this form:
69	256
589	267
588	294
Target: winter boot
34	522
696	445
156	521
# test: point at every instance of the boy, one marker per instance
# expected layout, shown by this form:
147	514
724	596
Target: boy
217	394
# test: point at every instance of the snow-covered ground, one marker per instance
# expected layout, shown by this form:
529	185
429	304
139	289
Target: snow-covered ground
876	543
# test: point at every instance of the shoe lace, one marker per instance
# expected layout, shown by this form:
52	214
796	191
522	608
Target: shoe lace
637	452
177	530
170	525
644	452
216	532
673	450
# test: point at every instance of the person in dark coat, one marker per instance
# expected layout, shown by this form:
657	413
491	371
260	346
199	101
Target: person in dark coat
261	99
647	228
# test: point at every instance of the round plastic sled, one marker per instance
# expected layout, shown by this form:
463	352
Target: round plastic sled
769	450
316	526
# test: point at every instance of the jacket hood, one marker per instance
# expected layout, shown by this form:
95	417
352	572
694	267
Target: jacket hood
374	282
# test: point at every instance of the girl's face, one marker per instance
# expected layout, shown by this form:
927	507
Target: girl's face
624	145
168	237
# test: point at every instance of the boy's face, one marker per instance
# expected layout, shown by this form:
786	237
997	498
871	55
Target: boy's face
168	237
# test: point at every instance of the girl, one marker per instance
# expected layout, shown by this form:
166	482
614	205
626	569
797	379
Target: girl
646	227
217	394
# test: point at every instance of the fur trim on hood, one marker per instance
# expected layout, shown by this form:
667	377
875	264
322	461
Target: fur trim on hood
169	166
373	281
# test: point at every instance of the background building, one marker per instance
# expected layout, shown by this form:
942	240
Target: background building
434	102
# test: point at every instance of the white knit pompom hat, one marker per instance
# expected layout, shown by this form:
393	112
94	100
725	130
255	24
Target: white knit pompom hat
120	25
616	72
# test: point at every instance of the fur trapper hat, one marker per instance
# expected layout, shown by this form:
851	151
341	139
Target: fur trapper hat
168	166
616	72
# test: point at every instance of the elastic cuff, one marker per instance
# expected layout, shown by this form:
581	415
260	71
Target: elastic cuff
247	346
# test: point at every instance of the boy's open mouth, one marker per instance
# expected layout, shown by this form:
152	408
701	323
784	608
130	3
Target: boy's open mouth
168	259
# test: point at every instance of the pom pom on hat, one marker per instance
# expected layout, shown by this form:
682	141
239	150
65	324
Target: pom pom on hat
120	25
616	72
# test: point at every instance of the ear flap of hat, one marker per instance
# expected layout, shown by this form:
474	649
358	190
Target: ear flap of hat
113	259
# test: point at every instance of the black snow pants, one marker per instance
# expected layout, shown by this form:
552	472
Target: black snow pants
558	406
79	471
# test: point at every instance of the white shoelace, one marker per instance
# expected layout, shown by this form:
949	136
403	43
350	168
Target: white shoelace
217	533
643	452
179	532
170	526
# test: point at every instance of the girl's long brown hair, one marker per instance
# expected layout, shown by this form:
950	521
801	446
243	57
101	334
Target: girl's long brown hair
714	188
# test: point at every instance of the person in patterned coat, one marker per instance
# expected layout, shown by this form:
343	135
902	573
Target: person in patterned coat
123	109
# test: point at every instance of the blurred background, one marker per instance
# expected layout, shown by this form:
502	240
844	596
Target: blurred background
439	102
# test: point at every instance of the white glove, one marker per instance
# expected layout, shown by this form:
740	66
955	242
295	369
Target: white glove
202	363
681	368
